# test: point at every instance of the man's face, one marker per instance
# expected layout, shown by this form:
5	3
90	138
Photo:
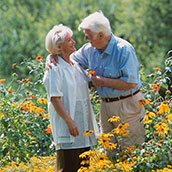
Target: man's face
93	39
68	45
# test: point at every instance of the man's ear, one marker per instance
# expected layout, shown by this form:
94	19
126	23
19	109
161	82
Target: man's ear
59	46
101	35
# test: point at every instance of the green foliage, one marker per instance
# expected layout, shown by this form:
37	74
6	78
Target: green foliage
23	117
148	29
24	25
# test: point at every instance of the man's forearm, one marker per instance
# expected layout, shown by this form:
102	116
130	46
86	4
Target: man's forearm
117	84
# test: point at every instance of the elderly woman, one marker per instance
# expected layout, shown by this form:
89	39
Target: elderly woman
69	106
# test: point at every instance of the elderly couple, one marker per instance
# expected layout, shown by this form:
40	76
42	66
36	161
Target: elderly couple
116	80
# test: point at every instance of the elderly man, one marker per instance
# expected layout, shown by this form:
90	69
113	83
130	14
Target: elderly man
117	76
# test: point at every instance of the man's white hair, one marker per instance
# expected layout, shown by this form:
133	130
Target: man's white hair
55	37
96	22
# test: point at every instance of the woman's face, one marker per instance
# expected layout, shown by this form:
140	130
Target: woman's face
67	47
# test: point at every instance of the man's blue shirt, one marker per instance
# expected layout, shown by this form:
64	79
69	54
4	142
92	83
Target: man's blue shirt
117	61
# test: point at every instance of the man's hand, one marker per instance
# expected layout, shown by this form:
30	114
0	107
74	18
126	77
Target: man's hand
115	83
97	81
51	59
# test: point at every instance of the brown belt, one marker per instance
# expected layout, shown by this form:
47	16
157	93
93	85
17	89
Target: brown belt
118	98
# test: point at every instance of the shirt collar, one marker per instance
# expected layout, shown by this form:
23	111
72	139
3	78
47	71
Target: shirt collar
62	62
110	47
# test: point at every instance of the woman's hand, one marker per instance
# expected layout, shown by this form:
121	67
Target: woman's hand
72	127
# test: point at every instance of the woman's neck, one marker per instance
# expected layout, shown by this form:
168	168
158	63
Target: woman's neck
67	59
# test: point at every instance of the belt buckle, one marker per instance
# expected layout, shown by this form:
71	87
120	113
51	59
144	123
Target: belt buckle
108	99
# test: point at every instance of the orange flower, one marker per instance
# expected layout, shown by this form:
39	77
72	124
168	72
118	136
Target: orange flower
90	72
10	91
25	80
32	96
28	133
28	83
91	95
24	108
157	68
160	141
2	80
38	58
13	65
48	130
99	99
156	87
156	133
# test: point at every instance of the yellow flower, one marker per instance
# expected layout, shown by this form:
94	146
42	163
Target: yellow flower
151	114
88	132
120	130
46	116
83	169
168	92
164	108
147	116
14	74
124	166
27	92
167	118
42	101
90	153
111	146
142	103
162	128
114	119
104	139
150	141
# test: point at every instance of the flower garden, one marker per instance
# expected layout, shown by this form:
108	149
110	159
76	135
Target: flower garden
25	133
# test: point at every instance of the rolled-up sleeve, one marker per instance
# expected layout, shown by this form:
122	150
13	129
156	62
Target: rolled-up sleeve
53	82
129	66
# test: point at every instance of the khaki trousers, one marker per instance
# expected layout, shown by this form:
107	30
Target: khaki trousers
67	160
128	112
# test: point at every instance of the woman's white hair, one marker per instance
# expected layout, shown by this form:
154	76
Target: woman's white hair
55	37
96	22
